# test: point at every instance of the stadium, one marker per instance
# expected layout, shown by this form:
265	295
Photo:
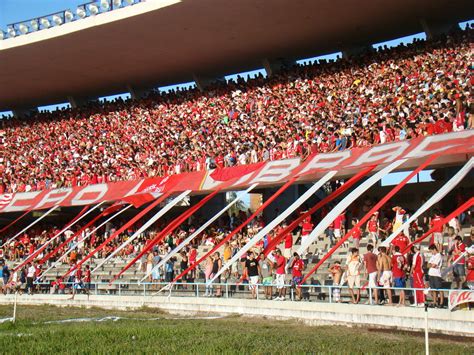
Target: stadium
237	176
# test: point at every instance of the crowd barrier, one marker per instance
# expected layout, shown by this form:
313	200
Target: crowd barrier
312	293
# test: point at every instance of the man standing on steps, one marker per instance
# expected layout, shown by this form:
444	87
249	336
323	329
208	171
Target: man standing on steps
370	263
373	228
297	267
418	275
280	263
434	273
384	269
459	271
354	264
30	276
398	272
254	272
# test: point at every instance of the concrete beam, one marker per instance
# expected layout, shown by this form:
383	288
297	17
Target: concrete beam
274	66
204	81
77	101
138	93
24	112
356	50
436	28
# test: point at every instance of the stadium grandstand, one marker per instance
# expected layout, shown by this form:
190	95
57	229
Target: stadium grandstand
344	180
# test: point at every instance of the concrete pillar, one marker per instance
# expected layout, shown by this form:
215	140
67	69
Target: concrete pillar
355	51
204	81
138	93
280	204
211	207
274	66
436	28
24	112
77	101
289	196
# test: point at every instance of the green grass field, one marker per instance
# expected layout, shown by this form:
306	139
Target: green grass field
142	332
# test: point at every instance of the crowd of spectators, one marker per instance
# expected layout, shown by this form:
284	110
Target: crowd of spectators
382	96
387	268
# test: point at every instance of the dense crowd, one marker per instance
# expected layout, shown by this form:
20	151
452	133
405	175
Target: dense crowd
387	95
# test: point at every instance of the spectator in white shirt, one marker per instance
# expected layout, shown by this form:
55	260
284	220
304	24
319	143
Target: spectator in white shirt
434	273
30	275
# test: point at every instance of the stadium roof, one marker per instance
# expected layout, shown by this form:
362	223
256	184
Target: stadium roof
168	41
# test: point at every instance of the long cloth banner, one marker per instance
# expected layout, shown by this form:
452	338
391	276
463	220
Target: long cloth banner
456	179
82	229
14	221
333	195
280	218
76	219
198	231
238	229
145	226
272	173
29	226
460	209
367	216
119	231
75	245
341	206
166	231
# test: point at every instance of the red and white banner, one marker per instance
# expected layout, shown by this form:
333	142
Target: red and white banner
460	297
346	162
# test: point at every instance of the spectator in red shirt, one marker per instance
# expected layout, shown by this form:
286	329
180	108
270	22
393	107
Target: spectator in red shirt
370	264
339	226
470	269
280	263
372	229
437	236
458	257
417	274
401	241
398	272
297	266
356	233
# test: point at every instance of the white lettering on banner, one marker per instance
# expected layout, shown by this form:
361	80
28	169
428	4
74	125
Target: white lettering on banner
326	161
243	179
100	189
54	197
452	140
276	170
209	183
21	197
459	297
382	154
135	188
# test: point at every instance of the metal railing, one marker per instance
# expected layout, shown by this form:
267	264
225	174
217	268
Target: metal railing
313	293
59	18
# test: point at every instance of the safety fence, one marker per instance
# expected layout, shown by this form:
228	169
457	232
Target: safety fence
312	293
